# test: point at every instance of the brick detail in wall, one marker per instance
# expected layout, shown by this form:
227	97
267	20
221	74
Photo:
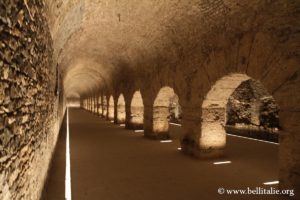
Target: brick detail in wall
28	128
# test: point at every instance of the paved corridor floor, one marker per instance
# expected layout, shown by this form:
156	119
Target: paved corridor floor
109	162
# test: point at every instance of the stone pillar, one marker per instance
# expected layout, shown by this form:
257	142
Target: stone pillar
97	105
148	120
191	128
200	139
161	121
90	104
87	104
90	107
212	140
151	131
94	104
100	105
154	131
128	113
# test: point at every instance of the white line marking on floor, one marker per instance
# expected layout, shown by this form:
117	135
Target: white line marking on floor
252	139
272	183
222	162
68	192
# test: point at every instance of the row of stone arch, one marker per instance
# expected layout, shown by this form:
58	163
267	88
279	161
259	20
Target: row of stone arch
134	118
204	127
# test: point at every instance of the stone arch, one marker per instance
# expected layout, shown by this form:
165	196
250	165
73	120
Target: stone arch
214	118
137	111
94	99
111	108
121	113
166	108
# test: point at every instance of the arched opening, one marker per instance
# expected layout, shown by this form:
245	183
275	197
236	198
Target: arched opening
166	109
94	100
137	111
238	105
111	108
121	114
104	106
252	112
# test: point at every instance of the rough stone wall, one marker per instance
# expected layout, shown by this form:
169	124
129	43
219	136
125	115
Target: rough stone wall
251	111
251	104
269	113
175	109
29	115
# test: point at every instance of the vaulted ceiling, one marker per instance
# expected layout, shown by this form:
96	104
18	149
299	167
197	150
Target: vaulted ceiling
95	38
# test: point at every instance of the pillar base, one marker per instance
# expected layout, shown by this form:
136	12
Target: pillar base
209	153
110	118
132	126
203	153
120	121
157	136
190	147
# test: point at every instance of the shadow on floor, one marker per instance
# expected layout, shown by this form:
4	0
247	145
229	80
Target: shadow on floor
54	188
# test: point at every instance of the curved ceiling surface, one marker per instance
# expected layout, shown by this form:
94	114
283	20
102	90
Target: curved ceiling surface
93	38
